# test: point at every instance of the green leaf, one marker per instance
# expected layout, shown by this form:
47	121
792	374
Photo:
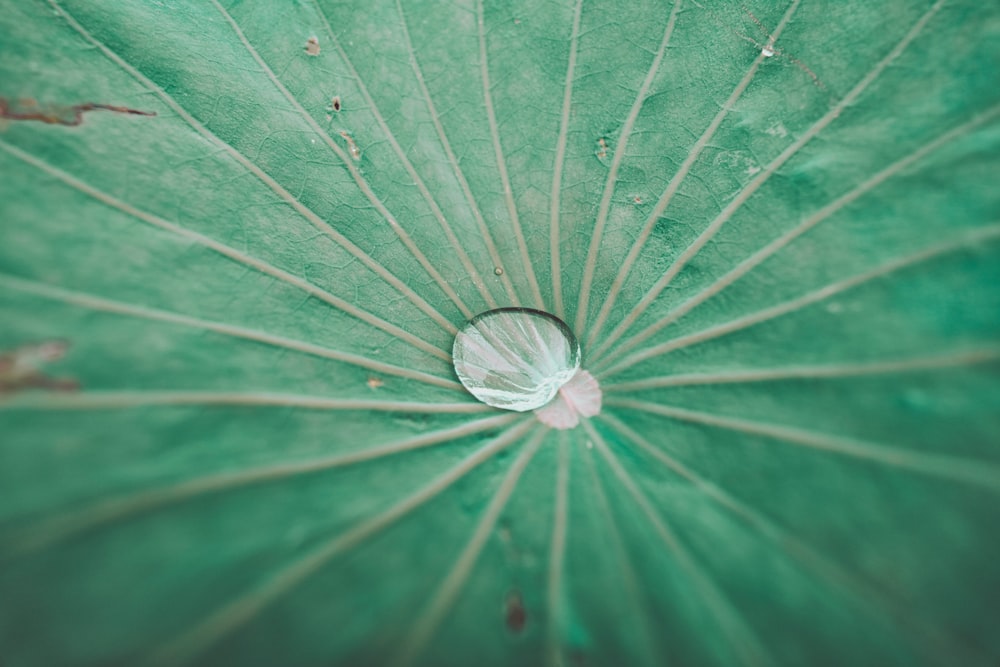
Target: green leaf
230	430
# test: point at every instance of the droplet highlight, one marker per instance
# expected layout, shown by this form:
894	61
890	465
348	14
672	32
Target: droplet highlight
515	358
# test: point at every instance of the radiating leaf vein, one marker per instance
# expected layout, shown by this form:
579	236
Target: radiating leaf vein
953	468
763	176
277	188
238	612
447	592
62	527
985	234
746	644
590	265
84	300
819	216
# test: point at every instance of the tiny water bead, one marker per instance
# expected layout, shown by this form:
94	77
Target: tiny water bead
523	359
515	358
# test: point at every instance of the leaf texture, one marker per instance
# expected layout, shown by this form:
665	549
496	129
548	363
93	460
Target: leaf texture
256	227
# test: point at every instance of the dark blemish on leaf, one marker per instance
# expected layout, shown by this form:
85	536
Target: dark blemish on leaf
498	271
335	103
637	199
351	146
21	368
312	46
515	615
57	114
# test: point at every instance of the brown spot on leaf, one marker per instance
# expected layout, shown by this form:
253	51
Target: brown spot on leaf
58	114
335	103
515	615
602	148
351	146
312	46
374	383
21	368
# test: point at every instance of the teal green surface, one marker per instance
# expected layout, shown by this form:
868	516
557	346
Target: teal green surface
784	271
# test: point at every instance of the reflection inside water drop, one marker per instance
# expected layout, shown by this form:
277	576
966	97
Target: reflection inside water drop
515	358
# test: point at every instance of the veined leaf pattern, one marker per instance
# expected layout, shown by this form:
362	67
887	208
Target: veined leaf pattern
239	237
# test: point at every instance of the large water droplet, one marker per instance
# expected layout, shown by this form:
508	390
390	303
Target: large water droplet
515	358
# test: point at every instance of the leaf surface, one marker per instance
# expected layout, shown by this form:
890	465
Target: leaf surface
774	229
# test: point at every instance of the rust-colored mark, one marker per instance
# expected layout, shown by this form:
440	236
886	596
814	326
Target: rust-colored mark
602	148
312	46
374	383
335	103
58	114
515	615
351	146
637	199
21	368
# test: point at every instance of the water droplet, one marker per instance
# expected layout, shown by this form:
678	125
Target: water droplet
515	358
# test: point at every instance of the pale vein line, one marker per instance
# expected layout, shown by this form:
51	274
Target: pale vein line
677	180
872	600
113	510
590	266
254	263
557	554
630	583
430	618
121	308
740	636
348	161
231	617
554	250
522	245
963	358
277	188
819	216
978	473
463	257
123	400
984	234
764	175
466	190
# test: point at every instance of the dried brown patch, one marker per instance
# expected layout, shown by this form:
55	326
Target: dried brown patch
21	368
58	114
